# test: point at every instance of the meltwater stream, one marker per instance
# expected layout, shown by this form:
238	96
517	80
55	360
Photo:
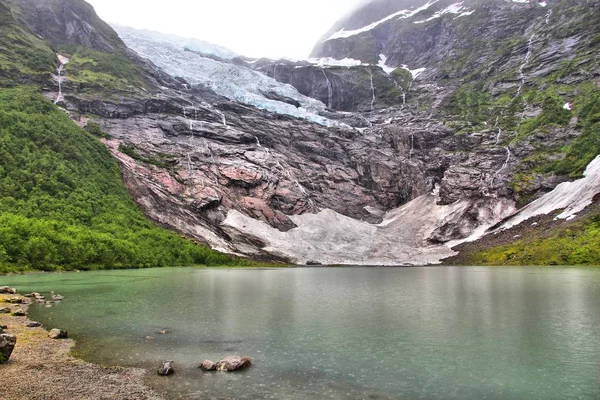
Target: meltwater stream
341	333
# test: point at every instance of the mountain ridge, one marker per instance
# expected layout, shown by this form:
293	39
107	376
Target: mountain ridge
448	150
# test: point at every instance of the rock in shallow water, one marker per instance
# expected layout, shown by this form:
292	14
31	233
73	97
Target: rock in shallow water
33	324
7	345
7	290
166	369
58	334
18	313
208	365
234	363
4	310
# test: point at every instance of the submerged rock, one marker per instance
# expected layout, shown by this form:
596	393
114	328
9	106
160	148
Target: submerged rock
58	297
233	363
208	365
33	324
7	345
58	334
166	369
7	290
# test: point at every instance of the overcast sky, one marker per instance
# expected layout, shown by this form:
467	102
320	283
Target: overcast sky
255	28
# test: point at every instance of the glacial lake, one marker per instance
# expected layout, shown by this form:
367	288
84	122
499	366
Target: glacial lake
340	333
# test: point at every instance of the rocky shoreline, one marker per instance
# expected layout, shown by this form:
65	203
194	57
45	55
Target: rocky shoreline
42	368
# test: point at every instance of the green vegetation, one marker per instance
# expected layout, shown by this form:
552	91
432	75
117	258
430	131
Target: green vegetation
104	73
581	151
131	152
63	204
24	58
576	244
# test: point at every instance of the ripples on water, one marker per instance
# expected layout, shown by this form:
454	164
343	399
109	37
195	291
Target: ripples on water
342	333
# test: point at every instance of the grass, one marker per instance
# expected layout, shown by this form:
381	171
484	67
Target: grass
575	244
102	73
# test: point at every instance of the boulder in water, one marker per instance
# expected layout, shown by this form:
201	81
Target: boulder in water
58	334
233	363
208	365
166	369
7	290
7	345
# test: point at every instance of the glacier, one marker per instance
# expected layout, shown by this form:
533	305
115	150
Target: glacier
199	66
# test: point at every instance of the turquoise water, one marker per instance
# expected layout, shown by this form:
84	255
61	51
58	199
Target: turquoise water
341	333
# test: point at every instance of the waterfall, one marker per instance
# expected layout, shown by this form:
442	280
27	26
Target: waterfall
329	88
412	145
498	136
372	89
548	16
525	63
62	61
223	119
401	89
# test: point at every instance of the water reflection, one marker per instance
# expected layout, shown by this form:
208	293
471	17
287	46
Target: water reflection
426	333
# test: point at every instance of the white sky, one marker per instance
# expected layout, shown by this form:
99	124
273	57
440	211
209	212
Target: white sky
255	28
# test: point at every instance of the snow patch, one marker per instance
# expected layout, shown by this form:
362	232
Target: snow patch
573	197
332	62
414	72
382	64
456	8
332	238
402	14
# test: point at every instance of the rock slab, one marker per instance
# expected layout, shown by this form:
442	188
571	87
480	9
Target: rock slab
58	334
234	363
7	344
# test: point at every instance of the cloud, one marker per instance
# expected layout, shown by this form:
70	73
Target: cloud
269	28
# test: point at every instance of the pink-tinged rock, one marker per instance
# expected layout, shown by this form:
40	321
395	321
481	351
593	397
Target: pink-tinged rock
234	363
242	175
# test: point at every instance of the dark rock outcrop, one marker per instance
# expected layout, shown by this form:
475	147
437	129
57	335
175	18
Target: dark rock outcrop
7	345
166	369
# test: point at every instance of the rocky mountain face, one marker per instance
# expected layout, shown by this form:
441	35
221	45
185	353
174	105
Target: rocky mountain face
440	118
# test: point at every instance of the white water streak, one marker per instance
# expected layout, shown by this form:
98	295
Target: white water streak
62	61
329	88
372	89
525	63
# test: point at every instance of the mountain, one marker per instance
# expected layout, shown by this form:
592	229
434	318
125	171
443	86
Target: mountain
417	128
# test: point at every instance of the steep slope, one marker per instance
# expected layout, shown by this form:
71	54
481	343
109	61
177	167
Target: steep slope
461	130
62	202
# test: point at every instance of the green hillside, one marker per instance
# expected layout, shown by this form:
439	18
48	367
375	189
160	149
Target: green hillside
62	201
